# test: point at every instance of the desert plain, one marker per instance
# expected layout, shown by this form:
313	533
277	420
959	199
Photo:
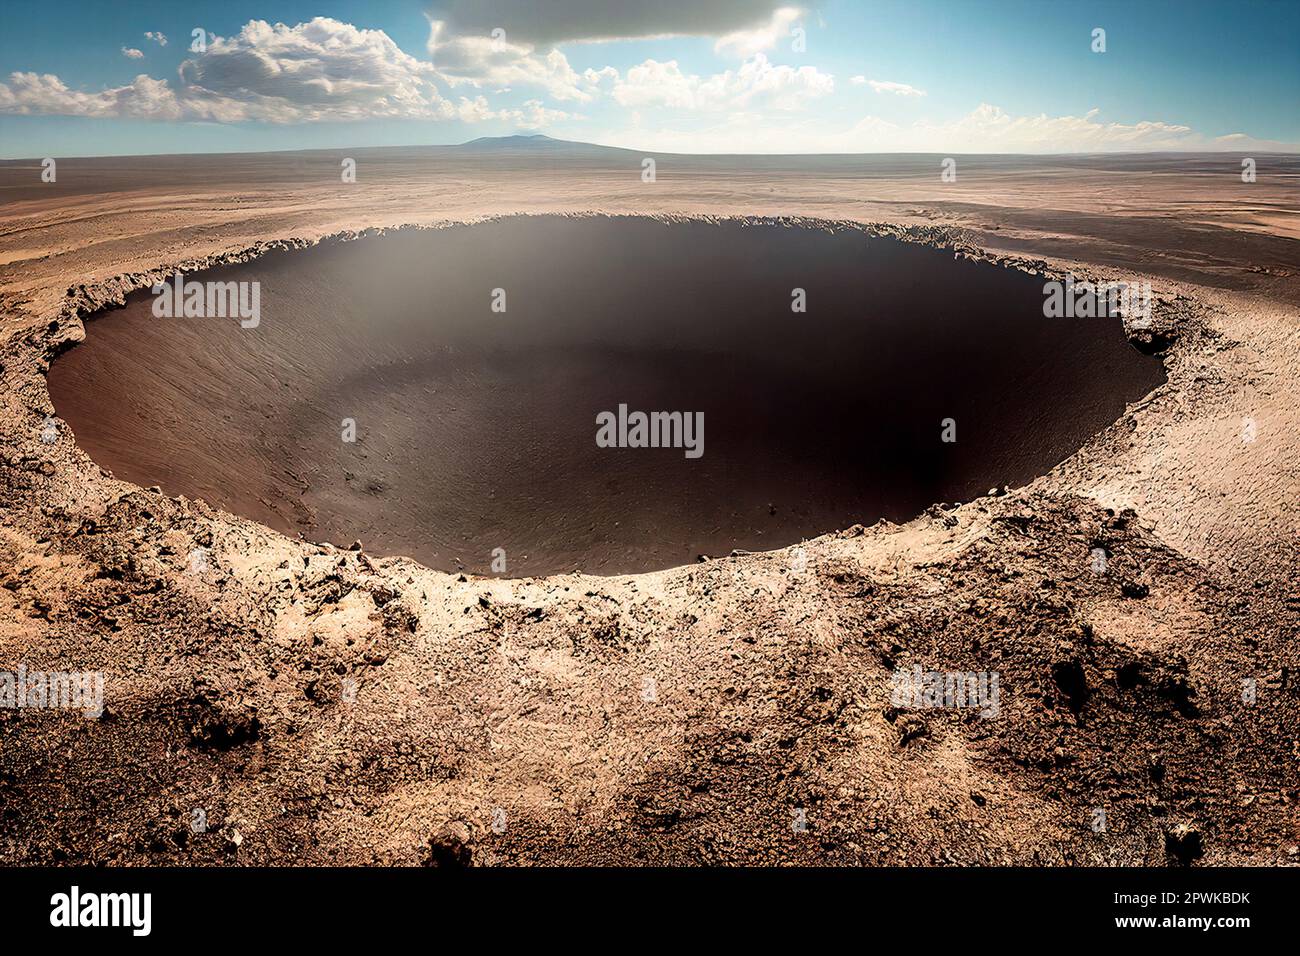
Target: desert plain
322	705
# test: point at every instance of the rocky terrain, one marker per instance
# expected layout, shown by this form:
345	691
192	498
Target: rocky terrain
319	705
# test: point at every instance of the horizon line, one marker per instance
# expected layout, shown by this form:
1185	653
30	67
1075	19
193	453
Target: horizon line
651	152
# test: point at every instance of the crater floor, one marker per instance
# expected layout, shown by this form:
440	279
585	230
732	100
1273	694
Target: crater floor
382	397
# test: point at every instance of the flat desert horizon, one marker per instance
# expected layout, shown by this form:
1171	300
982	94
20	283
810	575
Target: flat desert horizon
528	502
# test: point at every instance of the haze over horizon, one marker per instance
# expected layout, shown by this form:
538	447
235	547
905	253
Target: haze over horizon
541	143
729	77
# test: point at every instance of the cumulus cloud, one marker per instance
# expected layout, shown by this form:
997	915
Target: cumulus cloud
884	86
653	83
990	129
498	63
40	94
657	84
321	70
500	44
157	37
745	43
131	53
987	129
555	21
534	115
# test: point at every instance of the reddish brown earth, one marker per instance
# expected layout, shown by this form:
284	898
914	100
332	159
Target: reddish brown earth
525	703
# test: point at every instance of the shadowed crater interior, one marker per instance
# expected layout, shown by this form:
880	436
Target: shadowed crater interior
476	429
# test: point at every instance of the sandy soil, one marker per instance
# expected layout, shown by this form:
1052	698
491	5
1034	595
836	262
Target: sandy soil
320	705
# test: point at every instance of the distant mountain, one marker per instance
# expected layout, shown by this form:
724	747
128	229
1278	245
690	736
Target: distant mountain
536	144
518	141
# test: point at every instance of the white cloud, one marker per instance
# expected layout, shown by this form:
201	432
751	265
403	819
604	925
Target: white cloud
990	129
987	129
157	37
884	86
653	83
535	115
131	53
657	84
745	43
321	70
498	63
898	89
40	94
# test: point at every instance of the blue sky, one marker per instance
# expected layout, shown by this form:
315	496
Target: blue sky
951	76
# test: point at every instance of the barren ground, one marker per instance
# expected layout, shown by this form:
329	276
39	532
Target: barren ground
524	700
